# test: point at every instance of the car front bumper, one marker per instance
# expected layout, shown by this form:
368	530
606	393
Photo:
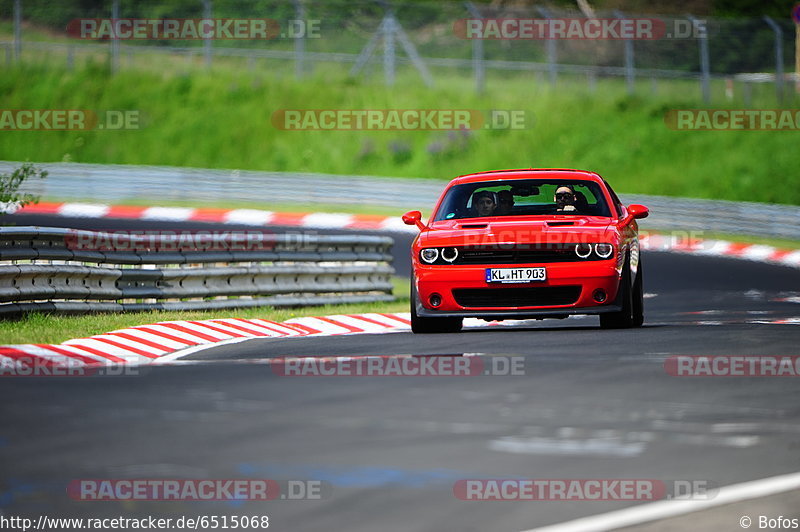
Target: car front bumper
582	277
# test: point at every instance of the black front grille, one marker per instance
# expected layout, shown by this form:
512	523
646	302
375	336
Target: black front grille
538	296
518	254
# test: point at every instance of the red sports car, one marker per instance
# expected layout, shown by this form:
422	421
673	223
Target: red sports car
526	244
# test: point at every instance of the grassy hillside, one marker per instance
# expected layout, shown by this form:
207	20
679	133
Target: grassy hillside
222	120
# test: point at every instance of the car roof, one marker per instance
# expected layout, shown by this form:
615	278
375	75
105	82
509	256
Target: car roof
528	173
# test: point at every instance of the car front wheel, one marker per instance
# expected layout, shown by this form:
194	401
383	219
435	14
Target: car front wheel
420	325
631	299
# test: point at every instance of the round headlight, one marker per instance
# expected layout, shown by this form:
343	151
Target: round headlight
449	254
429	255
583	250
603	250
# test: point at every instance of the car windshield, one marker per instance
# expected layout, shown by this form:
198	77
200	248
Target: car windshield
528	197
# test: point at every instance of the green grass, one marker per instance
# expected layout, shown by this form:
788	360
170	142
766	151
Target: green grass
52	329
221	119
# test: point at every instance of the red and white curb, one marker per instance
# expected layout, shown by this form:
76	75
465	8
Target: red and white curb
254	217
366	222
167	341
721	248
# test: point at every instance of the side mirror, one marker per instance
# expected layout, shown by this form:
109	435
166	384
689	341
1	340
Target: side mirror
638	211
413	218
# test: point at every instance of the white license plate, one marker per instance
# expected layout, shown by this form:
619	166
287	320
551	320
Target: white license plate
515	275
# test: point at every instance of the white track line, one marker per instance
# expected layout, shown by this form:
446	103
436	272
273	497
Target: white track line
645	513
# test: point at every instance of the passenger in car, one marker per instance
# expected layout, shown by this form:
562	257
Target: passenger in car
484	203
505	202
581	204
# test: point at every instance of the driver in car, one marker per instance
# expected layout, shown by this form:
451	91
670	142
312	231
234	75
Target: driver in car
565	199
505	199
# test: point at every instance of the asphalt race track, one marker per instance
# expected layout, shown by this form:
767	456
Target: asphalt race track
591	404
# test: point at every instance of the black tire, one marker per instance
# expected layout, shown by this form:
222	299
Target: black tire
637	311
420	325
624	318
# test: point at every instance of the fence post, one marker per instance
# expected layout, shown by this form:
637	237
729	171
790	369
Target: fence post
388	31
796	20
300	40
552	54
366	53
17	30
207	12
477	54
114	37
629	68
704	62
388	48
778	57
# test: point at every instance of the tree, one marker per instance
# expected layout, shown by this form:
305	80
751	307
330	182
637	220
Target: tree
10	184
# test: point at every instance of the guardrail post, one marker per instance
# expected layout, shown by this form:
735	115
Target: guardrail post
778	58
591	78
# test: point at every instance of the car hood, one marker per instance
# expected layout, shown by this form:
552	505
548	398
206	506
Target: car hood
528	230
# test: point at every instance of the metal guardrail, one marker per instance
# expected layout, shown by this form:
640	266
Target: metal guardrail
48	269
744	218
115	183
